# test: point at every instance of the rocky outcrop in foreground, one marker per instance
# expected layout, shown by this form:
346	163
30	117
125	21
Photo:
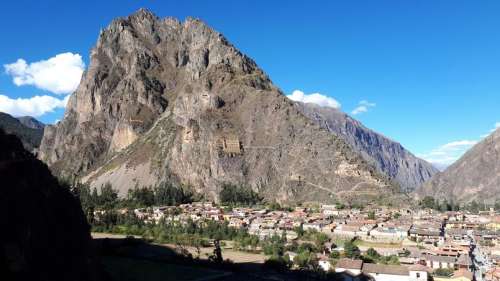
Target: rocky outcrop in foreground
44	234
165	100
475	176
390	157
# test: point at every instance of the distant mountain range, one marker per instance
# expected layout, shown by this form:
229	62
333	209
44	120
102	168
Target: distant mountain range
475	176
26	128
390	157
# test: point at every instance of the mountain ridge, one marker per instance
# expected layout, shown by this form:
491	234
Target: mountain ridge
27	129
475	176
389	156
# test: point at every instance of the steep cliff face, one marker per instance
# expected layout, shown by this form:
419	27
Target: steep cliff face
388	156
44	234
170	100
475	176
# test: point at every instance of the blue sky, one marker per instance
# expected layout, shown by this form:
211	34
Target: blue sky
427	71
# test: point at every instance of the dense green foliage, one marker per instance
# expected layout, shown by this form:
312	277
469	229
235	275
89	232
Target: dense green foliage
373	256
351	250
238	195
444	205
306	257
431	203
445	272
334	255
371	215
161	195
107	199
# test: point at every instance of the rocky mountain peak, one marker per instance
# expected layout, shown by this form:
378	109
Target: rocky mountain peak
169	100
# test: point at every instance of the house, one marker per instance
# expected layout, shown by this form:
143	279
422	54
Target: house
353	266
492	274
324	263
291	255
464	262
349	231
436	262
425	234
419	272
459	275
329	210
349	276
313	226
381	272
494	223
389	233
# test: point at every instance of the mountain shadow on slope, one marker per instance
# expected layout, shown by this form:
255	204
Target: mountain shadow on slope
45	235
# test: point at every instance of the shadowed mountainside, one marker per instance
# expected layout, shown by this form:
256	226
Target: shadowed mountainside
27	129
44	234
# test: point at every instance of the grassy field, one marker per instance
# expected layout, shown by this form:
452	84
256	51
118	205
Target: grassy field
377	244
128	269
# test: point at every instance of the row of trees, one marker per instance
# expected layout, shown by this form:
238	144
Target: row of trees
445	205
238	195
107	198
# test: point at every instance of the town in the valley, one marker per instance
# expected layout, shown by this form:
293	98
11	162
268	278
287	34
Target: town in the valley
373	243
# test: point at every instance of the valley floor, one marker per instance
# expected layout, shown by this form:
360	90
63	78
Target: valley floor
234	256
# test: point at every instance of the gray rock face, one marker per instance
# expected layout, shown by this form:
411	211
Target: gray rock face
388	156
475	176
165	100
31	122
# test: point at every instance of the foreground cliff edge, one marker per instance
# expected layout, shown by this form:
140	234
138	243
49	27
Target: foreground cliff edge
45	235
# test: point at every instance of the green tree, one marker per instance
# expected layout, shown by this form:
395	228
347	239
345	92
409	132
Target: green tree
108	197
351	250
372	253
371	215
238	195
320	239
445	272
334	254
428	202
141	197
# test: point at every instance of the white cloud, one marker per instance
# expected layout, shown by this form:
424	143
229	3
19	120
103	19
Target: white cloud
445	155
363	106
316	98
35	106
495	127
60	74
